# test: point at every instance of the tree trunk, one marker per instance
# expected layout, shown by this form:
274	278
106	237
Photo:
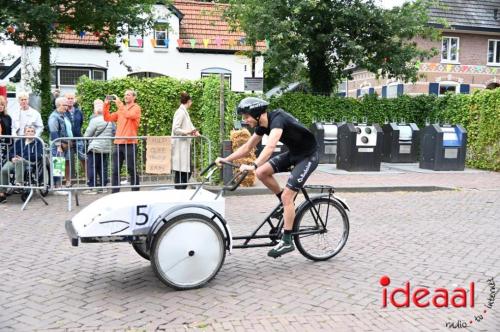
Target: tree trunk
45	76
319	73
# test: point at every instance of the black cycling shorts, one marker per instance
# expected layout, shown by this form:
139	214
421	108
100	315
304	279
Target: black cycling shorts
301	168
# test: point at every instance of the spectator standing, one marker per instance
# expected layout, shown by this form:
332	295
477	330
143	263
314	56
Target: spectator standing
5	129
76	116
25	115
98	149
60	127
181	147
22	155
127	118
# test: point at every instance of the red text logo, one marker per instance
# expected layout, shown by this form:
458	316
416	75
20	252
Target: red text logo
422	297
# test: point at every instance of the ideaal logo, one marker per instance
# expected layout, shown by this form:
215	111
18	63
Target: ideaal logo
460	297
423	297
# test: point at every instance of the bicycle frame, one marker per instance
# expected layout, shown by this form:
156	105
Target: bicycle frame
277	228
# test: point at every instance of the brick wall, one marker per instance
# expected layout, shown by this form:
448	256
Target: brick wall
471	68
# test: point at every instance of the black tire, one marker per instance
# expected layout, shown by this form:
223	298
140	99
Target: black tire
322	243
193	240
140	248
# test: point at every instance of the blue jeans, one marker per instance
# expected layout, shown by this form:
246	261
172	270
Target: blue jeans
97	169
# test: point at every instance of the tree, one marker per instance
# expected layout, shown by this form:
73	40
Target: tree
39	24
329	36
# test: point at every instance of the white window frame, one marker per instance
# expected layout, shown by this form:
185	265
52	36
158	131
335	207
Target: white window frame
496	50
89	73
365	90
448	53
342	87
166	31
449	83
101	71
135	37
392	85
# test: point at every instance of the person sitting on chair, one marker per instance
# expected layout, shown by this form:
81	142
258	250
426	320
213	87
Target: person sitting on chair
302	155
22	155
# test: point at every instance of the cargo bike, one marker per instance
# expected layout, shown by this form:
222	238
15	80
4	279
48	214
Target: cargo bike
185	235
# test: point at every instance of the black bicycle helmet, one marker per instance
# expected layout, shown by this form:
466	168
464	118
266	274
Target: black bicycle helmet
253	106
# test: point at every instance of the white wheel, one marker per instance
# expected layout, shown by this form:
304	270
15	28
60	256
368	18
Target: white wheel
188	251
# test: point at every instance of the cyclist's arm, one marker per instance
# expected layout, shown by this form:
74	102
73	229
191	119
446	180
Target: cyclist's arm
274	138
245	149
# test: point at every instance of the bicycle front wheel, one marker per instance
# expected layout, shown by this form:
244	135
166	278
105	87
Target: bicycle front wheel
321	229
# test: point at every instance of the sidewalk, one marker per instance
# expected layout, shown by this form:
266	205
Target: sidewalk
392	177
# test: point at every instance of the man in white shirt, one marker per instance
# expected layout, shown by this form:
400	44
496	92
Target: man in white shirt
25	115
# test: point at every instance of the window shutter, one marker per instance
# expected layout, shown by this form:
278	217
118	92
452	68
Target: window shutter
401	88
358	92
434	89
371	91
464	88
341	94
384	91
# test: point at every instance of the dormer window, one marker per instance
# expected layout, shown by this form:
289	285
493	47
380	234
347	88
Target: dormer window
161	35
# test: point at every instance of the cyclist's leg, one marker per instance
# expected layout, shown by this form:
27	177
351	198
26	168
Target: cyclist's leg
277	164
296	180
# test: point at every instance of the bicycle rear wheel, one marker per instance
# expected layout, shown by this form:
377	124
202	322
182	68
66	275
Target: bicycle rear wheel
321	229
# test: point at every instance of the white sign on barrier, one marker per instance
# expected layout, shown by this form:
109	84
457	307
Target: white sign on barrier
158	154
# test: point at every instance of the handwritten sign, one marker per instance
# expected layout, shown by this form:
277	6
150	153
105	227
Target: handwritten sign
158	154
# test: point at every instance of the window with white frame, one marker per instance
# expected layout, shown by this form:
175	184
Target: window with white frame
70	76
364	91
136	40
392	90
98	75
217	71
448	87
494	52
449	49
342	89
161	35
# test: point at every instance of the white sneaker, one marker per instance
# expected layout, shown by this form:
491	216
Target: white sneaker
89	192
61	193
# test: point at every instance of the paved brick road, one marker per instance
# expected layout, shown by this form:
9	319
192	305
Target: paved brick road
434	239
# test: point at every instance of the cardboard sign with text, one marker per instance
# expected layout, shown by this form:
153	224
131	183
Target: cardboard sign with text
158	155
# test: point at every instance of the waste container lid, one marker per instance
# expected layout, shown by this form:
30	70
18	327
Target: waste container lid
331	131
405	133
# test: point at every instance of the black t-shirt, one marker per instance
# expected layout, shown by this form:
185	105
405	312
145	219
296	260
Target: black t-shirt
297	138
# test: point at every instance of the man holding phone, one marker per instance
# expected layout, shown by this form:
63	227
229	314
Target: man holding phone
127	118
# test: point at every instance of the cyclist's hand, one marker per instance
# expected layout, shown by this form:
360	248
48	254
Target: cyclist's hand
249	168
218	161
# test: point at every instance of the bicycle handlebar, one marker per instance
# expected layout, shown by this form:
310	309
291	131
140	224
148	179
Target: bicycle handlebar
234	182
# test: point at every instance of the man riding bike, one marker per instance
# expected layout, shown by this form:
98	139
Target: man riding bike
302	155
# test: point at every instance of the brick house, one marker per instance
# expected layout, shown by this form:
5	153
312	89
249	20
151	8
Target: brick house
189	40
469	56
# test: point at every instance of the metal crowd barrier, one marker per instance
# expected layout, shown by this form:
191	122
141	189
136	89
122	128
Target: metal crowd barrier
92	170
23	171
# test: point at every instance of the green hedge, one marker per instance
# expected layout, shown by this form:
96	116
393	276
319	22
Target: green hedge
159	98
479	113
